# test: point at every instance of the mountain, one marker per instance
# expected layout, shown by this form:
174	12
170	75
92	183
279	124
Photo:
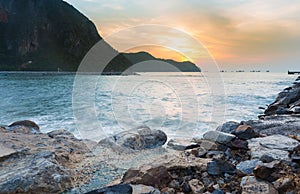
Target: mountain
44	35
139	57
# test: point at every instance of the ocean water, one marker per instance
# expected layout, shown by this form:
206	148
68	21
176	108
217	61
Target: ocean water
182	105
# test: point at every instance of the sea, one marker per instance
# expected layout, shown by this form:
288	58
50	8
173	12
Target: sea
95	106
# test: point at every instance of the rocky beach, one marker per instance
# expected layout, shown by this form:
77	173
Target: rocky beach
255	156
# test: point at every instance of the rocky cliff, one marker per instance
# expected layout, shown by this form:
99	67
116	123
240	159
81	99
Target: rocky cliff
43	35
47	35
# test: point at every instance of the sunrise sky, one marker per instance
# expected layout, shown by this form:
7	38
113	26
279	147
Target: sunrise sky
240	34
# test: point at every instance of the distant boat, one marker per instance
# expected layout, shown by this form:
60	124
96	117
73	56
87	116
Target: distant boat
267	71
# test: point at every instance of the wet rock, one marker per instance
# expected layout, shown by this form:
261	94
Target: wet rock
238	144
25	123
138	139
181	144
218	167
196	186
219	137
245	132
246	167
138	189
116	189
250	184
275	146
228	127
267	171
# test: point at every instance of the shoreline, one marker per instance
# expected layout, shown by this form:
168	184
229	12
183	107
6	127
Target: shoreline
233	158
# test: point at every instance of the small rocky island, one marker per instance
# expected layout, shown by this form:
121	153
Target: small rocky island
256	156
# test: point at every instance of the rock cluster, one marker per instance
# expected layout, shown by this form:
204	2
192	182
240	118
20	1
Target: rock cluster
287	101
215	164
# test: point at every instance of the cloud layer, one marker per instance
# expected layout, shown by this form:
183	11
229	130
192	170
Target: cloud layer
249	33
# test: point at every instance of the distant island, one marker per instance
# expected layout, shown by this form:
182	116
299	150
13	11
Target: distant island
51	35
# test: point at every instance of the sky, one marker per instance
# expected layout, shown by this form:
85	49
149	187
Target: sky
239	34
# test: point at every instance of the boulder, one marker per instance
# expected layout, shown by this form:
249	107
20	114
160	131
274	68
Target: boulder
116	189
218	167
245	132
228	127
218	136
250	184
181	144
137	139
246	167
25	123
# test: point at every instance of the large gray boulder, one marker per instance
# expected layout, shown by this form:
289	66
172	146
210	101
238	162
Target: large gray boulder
137	139
275	146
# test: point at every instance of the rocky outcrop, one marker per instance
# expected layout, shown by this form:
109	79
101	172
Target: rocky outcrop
43	35
32	162
287	101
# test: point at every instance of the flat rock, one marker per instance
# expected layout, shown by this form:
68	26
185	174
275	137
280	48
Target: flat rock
252	185
218	136
275	146
181	144
246	167
279	142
